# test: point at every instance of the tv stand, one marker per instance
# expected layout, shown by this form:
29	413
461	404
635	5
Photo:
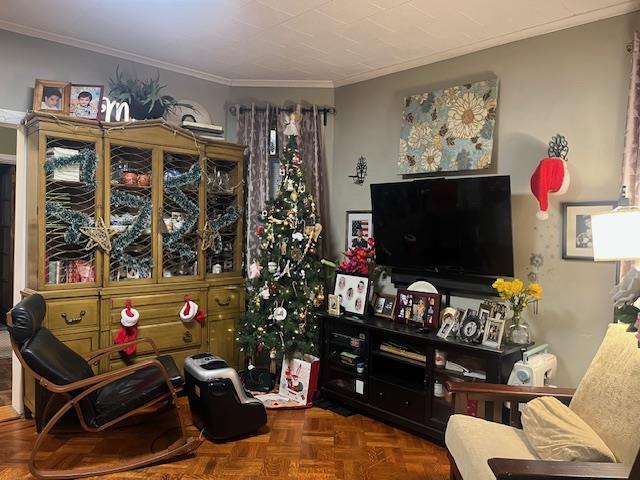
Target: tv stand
357	370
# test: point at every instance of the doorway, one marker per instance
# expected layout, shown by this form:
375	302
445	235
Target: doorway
7	222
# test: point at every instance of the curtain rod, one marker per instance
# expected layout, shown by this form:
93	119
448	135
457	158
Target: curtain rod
323	110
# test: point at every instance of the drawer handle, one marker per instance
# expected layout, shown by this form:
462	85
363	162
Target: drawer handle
187	337
71	321
406	403
224	304
380	394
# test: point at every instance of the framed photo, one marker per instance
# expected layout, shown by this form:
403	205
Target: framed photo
51	96
273	142
359	228
353	292
85	101
419	308
577	239
384	305
449	322
472	327
493	331
333	305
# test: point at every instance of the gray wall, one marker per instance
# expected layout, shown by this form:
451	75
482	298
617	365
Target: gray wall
7	141
24	59
574	82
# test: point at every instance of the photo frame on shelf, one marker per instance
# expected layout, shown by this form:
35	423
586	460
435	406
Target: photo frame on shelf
359	228
384	305
471	327
493	332
85	101
449	321
577	241
333	305
418	308
353	291
51	96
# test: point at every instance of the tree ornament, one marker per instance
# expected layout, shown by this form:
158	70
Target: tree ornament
128	330
260	347
298	236
264	214
259	229
286	272
254	270
283	246
302	327
290	122
290	187
301	188
279	314
190	311
99	235
264	291
294	196
296	160
272	267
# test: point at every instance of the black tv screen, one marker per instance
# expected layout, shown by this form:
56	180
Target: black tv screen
446	226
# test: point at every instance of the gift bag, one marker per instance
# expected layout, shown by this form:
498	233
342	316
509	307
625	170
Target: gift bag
299	379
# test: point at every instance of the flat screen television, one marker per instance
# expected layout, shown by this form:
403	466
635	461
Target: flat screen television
449	227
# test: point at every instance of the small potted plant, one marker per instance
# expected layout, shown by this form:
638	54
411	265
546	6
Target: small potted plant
144	97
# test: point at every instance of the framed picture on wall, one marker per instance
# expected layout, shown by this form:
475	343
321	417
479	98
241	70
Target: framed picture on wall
359	228
51	96
577	238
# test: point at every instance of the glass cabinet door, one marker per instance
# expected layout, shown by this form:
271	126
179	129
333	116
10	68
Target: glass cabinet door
130	211
71	182
181	174
223	188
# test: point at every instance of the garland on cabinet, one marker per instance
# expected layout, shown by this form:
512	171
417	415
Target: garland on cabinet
140	224
173	188
88	162
211	238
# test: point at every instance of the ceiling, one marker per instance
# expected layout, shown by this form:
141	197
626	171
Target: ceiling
321	43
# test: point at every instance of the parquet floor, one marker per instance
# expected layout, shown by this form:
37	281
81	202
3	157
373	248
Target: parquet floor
310	444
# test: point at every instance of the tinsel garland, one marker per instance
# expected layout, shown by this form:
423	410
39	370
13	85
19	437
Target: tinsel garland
76	220
87	160
228	218
133	231
171	241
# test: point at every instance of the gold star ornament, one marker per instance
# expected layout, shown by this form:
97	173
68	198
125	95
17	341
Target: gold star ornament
99	235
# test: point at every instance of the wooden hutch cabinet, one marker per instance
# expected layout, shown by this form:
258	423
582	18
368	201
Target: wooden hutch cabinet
160	192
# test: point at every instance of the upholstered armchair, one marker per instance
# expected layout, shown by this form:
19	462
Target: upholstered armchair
100	401
607	401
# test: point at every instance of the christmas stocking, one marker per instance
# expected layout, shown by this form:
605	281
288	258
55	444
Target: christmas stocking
128	328
190	311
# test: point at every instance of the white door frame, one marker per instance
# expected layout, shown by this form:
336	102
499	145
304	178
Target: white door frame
13	119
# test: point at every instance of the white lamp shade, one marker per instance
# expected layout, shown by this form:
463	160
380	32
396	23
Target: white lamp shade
616	235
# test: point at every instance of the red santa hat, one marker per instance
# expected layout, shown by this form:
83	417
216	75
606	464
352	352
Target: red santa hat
128	330
550	177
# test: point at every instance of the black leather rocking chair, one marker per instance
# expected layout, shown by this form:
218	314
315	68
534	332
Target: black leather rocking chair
100	401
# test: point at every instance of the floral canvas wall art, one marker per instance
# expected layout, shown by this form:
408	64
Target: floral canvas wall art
449	130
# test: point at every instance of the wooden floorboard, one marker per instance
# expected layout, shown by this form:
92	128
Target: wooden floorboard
310	444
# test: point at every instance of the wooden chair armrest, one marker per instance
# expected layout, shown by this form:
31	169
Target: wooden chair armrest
96	355
108	377
512	469
491	391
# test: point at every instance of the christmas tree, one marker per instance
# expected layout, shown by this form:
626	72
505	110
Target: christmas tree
285	280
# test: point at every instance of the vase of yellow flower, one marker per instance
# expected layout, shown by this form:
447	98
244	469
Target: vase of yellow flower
519	297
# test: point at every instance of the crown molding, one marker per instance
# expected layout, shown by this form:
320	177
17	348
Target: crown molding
284	83
113	52
574	21
11	118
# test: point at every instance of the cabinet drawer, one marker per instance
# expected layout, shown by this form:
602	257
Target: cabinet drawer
222	340
65	314
178	357
397	400
153	309
225	299
167	336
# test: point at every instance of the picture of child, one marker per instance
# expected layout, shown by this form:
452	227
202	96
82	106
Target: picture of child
85	101
419	310
51	99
